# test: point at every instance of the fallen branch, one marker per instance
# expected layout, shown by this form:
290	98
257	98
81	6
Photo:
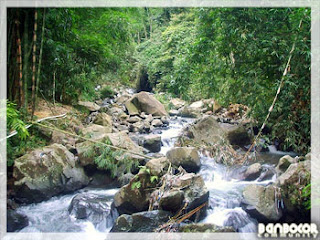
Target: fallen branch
40	120
98	142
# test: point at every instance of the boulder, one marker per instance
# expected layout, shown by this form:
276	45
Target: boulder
156	123
141	222
253	172
123	98
90	106
238	135
134	119
204	228
122	140
95	208
195	193
187	157
152	142
291	182
186	111
103	119
130	199
131	108
262	203
172	200
165	120
284	164
116	111
145	102
47	172
204	131
16	221
158	166
174	112
96	132
177	103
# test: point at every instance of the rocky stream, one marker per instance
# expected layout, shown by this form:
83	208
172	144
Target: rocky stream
193	163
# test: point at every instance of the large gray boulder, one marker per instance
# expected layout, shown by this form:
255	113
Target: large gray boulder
145	102
284	164
253	172
95	208
262	203
141	222
203	131
152	142
89	106
177	103
96	132
103	119
47	172
187	157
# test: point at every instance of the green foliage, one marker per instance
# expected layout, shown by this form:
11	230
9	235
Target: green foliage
306	194
238	55
136	184
14	121
17	147
107	92
106	158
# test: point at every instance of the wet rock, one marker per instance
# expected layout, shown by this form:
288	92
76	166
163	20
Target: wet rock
130	199
90	106
103	119
95	208
204	131
141	222
152	142
16	221
253	172
187	157
174	112
238	136
195	193
291	182
262	200
177	103
134	119
165	120
172	200
145	102
204	227
158	166
125	178
284	164
157	123
47	172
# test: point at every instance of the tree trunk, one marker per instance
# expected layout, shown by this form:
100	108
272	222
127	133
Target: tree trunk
34	63
40	57
19	64
54	88
26	55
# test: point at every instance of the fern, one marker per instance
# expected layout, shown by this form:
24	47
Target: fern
14	122
108	159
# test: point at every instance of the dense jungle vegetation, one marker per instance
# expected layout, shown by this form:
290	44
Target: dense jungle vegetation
234	55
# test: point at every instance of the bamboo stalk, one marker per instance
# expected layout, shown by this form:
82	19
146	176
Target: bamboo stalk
34	63
19	63
40	56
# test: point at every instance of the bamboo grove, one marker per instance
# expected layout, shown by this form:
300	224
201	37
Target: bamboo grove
235	55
